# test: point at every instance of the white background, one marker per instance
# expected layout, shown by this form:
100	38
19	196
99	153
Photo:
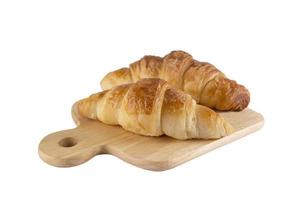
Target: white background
53	53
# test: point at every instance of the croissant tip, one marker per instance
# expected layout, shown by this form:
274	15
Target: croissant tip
242	99
229	129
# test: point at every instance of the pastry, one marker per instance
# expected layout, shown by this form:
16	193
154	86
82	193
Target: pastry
152	107
204	82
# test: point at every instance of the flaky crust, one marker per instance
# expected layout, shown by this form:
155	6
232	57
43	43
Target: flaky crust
152	107
204	82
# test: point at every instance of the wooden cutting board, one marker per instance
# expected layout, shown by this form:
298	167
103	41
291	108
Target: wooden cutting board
72	147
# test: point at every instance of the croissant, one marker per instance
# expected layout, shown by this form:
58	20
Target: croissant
151	107
204	82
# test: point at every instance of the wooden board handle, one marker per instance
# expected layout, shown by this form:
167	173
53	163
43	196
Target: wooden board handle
69	147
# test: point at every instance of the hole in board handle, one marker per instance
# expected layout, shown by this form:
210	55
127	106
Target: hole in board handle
67	142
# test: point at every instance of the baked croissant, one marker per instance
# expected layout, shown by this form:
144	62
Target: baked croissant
204	82
151	107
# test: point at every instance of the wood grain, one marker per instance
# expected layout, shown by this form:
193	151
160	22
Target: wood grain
72	147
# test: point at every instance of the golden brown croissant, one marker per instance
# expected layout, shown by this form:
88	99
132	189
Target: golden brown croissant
151	107
205	83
